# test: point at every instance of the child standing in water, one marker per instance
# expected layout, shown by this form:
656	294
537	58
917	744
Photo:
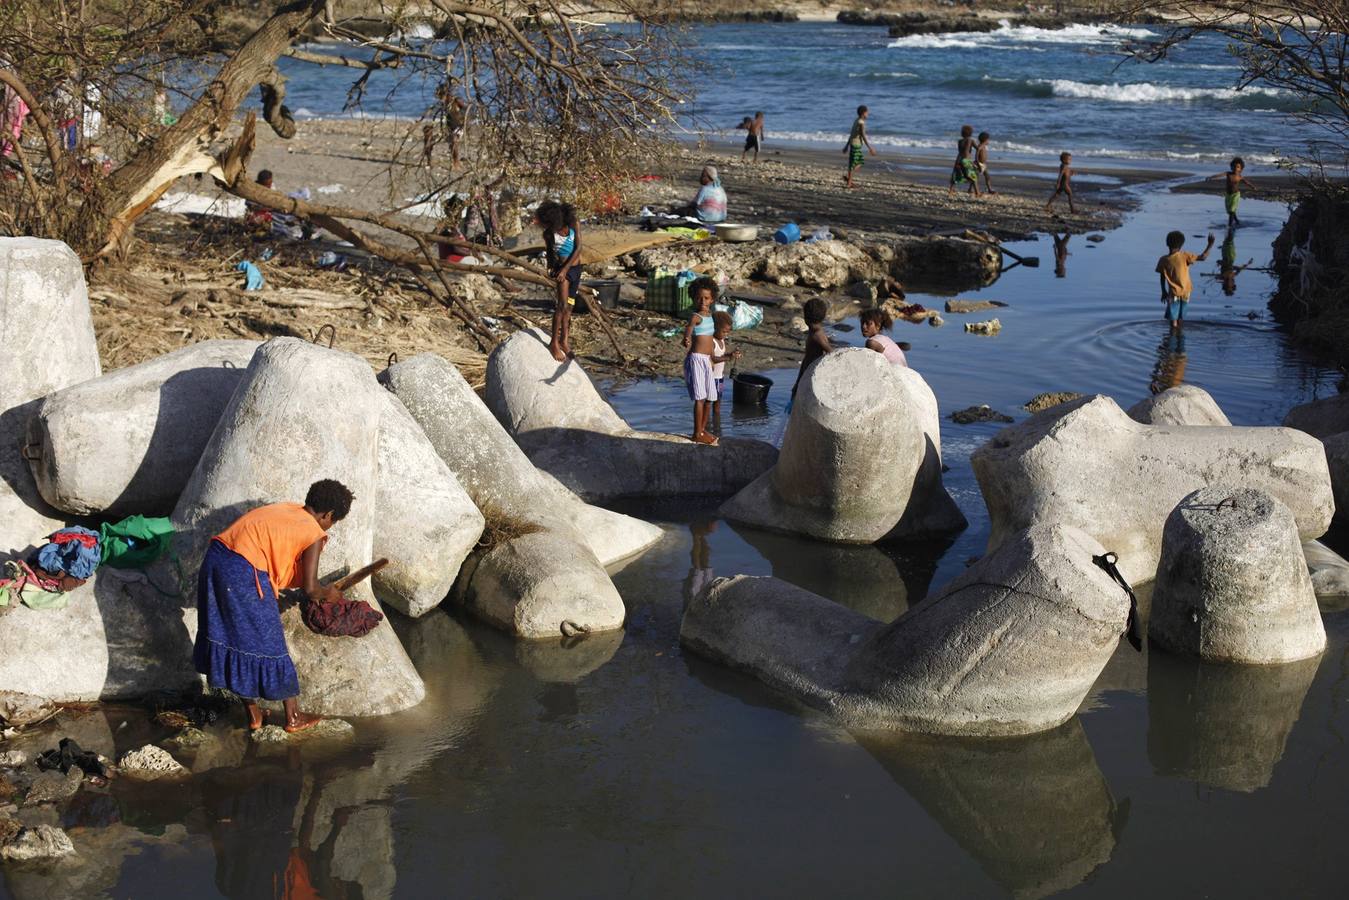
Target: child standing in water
1234	182
698	340
981	161
1174	269
1065	183
857	138
964	171
874	321
720	356
562	238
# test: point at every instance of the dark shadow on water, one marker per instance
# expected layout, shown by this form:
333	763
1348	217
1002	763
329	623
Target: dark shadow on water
1035	812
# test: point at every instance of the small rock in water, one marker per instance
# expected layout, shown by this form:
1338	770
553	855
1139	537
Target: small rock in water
53	787
9	830
969	306
843	326
13	759
38	842
189	738
149	763
979	414
864	291
935	321
1095	238
992	326
1050	398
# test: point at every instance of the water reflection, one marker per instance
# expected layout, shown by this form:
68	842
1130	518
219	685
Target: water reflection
1169	369
1061	255
1035	812
700	558
1222	725
1228	270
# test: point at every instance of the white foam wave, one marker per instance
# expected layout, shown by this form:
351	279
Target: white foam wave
1019	36
884	75
1146	92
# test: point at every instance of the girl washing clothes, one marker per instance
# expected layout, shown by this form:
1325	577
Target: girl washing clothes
562	238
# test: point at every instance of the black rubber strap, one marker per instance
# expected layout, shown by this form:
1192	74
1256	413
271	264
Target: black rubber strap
1107	562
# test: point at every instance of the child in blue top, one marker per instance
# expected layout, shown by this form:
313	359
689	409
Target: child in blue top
698	376
562	238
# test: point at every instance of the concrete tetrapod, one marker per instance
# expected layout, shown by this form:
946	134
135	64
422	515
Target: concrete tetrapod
49	344
425	522
519	501
1337	459
1232	585
567	429
303	413
860	460
1087	464
1010	647
1320	418
127	442
1181	405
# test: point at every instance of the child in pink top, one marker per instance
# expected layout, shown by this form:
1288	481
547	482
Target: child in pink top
874	321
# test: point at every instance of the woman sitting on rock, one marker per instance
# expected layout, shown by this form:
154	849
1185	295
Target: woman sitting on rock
710	203
241	645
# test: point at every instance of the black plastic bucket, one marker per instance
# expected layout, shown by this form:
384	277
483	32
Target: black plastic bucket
751	388
607	291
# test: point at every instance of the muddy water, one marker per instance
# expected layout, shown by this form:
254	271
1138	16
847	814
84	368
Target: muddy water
618	766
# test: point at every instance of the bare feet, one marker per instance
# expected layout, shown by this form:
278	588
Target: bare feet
256	717
705	438
299	721
558	353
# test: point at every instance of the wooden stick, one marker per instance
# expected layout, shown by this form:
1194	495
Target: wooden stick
348	582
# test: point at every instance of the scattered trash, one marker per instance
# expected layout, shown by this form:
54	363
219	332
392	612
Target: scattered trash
992	326
267	253
981	413
821	234
334	261
788	234
745	315
253	280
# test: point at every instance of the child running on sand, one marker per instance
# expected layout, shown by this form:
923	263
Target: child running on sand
698	340
874	321
1234	182
720	356
562	238
981	161
1174	269
1065	183
817	342
857	138
964	170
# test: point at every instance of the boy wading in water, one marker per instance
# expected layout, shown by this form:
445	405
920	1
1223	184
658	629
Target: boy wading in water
857	139
1065	183
562	238
1234	182
1174	269
964	170
698	375
241	645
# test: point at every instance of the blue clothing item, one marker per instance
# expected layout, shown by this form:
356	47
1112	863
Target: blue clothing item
705	326
253	280
71	557
710	203
241	645
1175	310
563	249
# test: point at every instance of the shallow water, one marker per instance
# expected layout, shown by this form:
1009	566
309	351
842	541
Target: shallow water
619	766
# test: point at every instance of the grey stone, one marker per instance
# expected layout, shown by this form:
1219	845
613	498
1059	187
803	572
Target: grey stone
567	429
50	344
984	413
992	326
425	522
1321	418
962	307
54	787
1010	647
41	842
303	413
533	585
1337	460
1182	405
1041	402
18	709
1232	584
857	422
1088	465
150	763
13	759
189	739
495	471
1329	571
161	412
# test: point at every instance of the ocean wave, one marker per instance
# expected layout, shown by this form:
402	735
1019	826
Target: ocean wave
883	75
1023	35
1147	92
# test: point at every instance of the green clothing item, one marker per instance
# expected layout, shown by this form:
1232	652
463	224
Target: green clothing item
1231	201
34	597
135	542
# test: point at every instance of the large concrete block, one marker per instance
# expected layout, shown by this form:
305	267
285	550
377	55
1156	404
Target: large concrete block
1321	418
303	413
860	460
1337	460
127	442
1088	465
425	522
567	429
49	344
1232	585
1181	405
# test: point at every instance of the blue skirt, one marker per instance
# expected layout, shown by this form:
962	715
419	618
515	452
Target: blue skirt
241	645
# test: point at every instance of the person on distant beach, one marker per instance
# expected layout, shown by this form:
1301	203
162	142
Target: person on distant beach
1064	185
1060	254
257	217
721	354
709	204
857	138
964	170
455	111
699	342
874	321
1234	182
817	342
562	239
754	135
981	161
1174	270
240	643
